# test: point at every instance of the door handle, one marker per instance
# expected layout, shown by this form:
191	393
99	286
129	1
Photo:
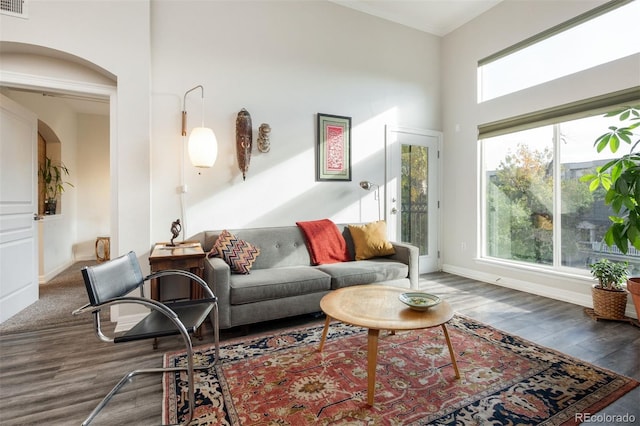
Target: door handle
394	210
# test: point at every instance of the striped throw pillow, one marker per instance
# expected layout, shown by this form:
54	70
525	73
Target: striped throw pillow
238	254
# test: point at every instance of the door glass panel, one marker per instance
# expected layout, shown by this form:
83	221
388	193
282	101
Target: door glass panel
414	196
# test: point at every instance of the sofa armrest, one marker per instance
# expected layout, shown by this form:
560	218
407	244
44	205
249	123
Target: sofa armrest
217	274
409	255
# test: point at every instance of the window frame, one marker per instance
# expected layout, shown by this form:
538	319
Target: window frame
591	107
536	39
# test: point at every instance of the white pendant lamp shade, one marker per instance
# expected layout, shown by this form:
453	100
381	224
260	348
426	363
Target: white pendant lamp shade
203	147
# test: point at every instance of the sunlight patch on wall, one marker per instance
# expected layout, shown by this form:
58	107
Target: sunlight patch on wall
287	191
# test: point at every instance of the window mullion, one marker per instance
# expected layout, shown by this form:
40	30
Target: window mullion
557	198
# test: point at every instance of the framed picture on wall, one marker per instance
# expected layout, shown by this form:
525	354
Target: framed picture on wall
333	150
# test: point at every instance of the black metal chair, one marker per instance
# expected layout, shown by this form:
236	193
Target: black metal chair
110	283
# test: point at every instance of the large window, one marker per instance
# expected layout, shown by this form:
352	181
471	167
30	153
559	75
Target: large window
536	209
599	36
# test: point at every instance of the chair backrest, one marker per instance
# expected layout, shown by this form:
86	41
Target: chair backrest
111	279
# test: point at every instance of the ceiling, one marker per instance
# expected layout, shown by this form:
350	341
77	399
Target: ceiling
438	17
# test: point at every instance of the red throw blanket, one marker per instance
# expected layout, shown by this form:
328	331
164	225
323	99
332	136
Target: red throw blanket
324	241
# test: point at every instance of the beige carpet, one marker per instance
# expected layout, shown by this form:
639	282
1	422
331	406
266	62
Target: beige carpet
58	298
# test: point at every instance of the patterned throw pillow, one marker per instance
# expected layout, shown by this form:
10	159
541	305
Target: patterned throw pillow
237	253
222	243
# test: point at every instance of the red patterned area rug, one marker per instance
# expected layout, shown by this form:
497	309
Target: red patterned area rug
283	380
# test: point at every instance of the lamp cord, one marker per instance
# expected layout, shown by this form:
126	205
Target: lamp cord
183	212
182	192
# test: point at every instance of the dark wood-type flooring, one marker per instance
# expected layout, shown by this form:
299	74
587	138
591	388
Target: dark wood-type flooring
56	376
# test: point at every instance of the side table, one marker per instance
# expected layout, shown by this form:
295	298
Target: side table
187	255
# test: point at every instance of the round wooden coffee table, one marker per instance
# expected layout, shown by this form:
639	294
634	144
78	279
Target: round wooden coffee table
377	307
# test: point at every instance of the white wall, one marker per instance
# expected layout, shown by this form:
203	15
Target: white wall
278	60
284	62
93	188
501	27
114	38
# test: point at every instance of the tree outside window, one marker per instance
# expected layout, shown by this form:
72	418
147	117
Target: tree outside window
524	220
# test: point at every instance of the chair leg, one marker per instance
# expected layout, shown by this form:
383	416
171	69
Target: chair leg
216	331
190	376
123	382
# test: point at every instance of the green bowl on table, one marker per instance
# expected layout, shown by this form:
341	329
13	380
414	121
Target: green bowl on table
419	301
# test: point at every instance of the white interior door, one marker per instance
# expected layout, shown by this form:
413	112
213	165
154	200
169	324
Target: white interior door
18	207
413	182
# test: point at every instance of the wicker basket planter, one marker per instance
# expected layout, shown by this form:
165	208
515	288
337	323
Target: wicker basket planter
609	304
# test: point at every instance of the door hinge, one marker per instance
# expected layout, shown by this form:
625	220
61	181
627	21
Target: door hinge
438	254
438	203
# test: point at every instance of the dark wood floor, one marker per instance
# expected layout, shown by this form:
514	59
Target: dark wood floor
56	376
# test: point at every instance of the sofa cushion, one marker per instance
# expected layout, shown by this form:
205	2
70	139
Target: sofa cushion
279	246
364	272
277	283
370	240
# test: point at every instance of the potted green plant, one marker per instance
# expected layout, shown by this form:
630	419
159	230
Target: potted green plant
609	298
621	180
54	184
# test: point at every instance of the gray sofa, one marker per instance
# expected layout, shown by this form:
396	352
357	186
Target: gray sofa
283	283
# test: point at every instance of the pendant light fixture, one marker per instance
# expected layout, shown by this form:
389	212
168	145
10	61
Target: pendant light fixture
202	145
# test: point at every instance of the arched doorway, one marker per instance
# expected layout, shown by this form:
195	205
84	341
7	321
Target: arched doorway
48	76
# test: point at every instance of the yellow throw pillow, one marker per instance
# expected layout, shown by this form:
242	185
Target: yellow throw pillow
370	240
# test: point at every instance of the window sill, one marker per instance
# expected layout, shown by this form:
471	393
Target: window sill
540	270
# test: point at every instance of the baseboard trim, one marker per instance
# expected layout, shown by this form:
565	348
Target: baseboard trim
43	279
85	257
577	298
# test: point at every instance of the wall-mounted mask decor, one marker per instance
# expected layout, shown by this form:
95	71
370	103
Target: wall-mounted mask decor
264	145
244	141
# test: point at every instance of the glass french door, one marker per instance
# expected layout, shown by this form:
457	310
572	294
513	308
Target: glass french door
413	191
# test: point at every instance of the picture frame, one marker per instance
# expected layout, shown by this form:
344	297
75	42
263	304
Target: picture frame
333	150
